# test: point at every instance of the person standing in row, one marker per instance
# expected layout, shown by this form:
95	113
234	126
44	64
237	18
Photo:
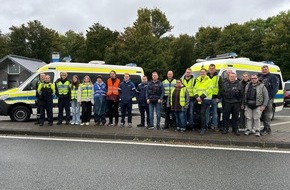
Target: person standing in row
46	90
232	93
86	99
189	82
62	88
168	85
255	100
40	81
154	96
179	101
75	83
100	104
113	98
213	75
127	91
244	82
271	82
142	101
203	94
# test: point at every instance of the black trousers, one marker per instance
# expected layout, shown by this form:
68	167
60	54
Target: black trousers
228	109
63	104
142	110
46	104
86	111
113	111
168	112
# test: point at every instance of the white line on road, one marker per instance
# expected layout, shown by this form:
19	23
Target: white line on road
144	143
282	123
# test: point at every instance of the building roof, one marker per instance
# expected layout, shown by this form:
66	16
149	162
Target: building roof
28	63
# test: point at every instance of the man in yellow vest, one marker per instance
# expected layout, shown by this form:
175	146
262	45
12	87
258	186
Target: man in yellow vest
168	85
189	82
215	78
63	92
179	101
46	90
203	95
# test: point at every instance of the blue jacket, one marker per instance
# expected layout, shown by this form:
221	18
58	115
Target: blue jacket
127	91
155	91
99	90
141	94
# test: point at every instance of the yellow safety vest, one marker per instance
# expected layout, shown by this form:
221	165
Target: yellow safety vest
203	86
63	88
189	86
168	86
74	93
86	91
181	96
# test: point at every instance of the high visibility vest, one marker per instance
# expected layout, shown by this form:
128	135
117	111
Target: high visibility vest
87	91
181	96
189	85
113	88
203	86
168	86
74	93
63	88
215	85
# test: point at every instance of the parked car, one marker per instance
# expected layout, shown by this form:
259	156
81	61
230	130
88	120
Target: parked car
286	93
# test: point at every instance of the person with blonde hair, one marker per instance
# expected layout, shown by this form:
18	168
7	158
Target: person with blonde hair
86	99
75	83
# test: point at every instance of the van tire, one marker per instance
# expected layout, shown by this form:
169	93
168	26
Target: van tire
20	114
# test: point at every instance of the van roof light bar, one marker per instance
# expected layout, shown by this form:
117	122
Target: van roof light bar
222	56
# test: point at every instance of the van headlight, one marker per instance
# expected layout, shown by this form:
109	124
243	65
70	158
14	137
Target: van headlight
4	97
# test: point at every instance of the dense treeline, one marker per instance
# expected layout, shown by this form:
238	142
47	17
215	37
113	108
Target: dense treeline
146	43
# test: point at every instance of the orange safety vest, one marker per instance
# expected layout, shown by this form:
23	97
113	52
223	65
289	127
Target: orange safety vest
113	88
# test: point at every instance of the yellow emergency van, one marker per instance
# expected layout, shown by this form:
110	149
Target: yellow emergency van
240	65
19	103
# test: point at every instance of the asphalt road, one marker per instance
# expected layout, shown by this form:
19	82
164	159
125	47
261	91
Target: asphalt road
50	164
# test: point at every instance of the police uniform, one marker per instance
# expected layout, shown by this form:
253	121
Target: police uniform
46	92
63	91
168	87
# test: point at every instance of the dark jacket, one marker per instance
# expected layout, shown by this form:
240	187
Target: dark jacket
141	94
155	91
232	92
271	82
127	91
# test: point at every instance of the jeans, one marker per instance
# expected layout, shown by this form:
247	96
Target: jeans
100	107
180	120
213	106
205	105
126	107
189	115
142	110
267	113
76	111
156	106
63	104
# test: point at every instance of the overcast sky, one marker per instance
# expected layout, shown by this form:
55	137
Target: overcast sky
185	15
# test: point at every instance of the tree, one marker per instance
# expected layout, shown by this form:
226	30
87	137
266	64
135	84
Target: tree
74	45
34	40
4	44
182	54
98	40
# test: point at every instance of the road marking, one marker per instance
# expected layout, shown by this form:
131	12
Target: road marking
282	123
144	144
281	116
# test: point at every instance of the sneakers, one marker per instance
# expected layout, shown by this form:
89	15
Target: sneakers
82	124
77	123
150	127
122	125
72	123
87	123
129	125
110	124
202	132
216	129
158	127
257	133
248	132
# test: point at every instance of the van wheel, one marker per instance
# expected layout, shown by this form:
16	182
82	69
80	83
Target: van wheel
20	114
273	112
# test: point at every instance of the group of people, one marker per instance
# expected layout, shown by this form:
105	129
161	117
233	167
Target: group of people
250	99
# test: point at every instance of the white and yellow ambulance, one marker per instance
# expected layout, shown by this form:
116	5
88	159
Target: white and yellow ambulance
19	103
240	65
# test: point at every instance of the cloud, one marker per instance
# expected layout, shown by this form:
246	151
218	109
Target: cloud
185	15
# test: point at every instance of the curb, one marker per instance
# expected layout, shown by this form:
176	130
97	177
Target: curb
115	136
